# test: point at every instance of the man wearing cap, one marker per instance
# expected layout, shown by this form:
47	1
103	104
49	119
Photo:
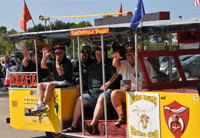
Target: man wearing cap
29	65
62	75
127	69
86	61
94	97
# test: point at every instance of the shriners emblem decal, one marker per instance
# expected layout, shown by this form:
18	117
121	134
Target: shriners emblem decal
176	117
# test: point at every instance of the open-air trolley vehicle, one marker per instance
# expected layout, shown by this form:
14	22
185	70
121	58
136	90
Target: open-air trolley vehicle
161	109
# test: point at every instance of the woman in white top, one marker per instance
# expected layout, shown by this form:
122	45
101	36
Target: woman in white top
127	69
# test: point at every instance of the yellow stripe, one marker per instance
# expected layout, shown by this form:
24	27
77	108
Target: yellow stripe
42	17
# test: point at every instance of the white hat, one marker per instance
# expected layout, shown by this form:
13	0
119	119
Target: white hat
12	55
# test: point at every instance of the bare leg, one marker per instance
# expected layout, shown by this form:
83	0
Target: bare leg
40	91
98	111
77	112
117	97
49	92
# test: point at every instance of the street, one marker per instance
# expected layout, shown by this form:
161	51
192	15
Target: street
5	130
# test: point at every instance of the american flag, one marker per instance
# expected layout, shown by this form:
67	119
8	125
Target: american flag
196	3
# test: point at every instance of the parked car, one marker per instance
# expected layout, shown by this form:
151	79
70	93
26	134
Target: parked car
174	70
191	66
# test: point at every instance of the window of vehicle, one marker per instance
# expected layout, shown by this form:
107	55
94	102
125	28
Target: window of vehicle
162	70
191	67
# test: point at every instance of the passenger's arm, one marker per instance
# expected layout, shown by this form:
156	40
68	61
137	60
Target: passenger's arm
116	62
59	69
26	56
112	79
44	59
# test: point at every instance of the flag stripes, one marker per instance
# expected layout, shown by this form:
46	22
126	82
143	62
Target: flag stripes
196	3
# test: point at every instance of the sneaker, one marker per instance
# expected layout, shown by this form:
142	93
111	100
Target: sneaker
39	109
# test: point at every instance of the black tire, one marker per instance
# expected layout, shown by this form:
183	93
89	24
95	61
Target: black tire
53	135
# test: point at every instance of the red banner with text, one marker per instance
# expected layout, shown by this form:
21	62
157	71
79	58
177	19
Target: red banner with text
89	32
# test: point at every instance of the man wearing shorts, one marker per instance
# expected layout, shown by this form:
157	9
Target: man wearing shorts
95	95
62	75
127	69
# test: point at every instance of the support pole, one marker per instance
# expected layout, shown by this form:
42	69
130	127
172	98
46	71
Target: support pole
81	84
157	41
36	60
73	49
170	58
50	25
136	59
104	90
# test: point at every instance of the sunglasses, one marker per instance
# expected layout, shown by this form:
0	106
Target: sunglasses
39	56
58	53
52	52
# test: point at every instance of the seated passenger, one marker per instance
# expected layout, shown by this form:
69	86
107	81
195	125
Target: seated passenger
62	75
95	95
161	77
86	61
127	69
29	65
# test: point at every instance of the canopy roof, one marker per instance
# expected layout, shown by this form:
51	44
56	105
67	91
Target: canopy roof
148	28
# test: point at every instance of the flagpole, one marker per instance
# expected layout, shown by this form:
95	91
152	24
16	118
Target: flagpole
35	44
31	17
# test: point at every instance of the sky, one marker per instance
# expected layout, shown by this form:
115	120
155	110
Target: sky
11	10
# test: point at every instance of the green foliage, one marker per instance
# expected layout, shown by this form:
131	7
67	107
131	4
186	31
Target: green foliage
162	38
110	53
3	29
6	46
106	16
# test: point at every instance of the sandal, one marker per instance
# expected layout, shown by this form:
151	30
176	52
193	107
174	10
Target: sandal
70	129
88	128
121	120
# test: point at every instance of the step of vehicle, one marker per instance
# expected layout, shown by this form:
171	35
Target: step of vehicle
100	128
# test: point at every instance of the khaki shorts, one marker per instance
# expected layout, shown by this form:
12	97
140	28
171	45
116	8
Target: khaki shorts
59	83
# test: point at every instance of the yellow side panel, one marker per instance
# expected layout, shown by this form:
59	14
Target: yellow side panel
186	100
185	106
60	107
68	101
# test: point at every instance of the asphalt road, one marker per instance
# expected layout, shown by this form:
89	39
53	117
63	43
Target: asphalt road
5	130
